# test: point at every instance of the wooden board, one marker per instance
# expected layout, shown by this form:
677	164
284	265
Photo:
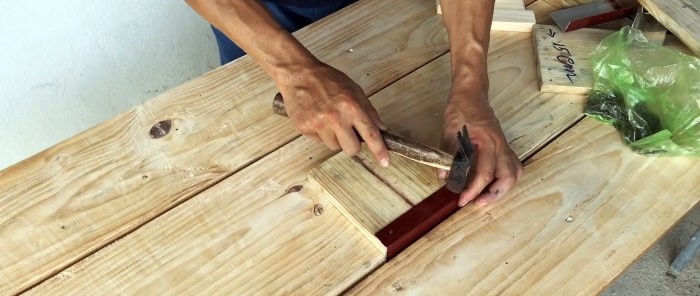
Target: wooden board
513	20
522	244
372	196
253	233
563	60
682	17
69	201
173	250
508	15
498	4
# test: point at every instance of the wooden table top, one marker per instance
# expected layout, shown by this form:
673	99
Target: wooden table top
222	205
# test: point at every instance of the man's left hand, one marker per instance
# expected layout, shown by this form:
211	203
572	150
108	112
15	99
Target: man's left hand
495	167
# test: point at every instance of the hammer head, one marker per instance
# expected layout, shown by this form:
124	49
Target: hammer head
457	178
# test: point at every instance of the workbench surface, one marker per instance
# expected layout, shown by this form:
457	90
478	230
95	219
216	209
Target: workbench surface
221	205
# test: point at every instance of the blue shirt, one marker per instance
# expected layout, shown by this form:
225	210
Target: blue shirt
306	3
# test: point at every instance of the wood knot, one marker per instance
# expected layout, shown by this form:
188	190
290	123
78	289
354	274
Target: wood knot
295	188
160	129
318	210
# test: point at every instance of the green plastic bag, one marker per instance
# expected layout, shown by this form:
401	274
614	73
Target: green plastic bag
648	92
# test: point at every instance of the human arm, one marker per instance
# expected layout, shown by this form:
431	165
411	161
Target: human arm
496	168
324	103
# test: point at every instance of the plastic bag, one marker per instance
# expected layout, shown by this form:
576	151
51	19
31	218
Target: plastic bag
648	92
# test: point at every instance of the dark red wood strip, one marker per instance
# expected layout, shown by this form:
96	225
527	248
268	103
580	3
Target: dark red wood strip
420	219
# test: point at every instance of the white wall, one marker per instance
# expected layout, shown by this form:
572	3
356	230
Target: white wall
66	66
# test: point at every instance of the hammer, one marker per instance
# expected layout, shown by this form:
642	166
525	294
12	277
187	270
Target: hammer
458	165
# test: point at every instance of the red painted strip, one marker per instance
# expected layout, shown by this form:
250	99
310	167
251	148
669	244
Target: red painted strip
420	219
599	19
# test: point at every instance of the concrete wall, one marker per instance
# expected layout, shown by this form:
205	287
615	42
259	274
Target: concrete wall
66	66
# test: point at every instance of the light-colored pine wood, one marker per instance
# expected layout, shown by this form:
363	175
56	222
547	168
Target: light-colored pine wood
509	4
620	203
499	4
682	17
379	204
80	195
253	233
513	20
563	59
509	15
529	119
173	250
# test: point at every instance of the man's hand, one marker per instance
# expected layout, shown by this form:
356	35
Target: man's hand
495	167
326	105
323	103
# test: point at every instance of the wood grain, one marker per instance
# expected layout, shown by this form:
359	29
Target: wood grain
522	244
563	59
513	20
78	196
253	233
509	15
682	17
379	204
529	120
173	250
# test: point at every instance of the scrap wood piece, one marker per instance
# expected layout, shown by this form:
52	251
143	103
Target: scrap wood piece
681	17
523	245
529	121
508	15
563	59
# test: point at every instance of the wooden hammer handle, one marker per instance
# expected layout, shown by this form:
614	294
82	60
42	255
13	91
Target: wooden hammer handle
394	143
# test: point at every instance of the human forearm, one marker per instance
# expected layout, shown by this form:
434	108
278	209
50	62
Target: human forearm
468	25
250	26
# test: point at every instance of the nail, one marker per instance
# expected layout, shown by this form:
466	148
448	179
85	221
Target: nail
384	162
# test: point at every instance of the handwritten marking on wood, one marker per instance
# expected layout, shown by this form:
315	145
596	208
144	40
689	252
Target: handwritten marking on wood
562	58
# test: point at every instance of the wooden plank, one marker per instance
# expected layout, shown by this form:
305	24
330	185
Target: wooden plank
681	17
529	119
499	4
78	196
508	15
172	251
522	244
563	60
253	233
367	214
513	20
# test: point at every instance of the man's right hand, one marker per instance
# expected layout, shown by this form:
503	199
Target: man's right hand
326	105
